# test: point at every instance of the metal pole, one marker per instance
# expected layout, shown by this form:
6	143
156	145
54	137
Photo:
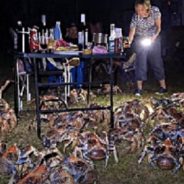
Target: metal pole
16	97
111	93
90	79
37	98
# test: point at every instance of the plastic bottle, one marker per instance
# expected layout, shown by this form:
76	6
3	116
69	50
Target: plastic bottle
57	31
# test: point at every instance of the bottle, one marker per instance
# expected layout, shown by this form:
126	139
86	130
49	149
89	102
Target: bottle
83	33
93	40
43	43
43	32
57	31
112	38
19	36
51	43
118	41
105	41
86	38
33	39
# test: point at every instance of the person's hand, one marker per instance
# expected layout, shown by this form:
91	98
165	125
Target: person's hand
153	38
127	44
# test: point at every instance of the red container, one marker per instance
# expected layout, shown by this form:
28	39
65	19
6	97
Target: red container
33	42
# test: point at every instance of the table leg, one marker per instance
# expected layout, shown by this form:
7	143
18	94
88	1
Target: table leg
111	94
16	96
90	80
37	99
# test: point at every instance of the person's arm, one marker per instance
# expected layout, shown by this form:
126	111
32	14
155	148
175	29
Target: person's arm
131	35
158	26
132	31
157	18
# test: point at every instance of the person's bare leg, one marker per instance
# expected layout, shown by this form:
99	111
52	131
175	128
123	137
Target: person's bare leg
139	85
162	84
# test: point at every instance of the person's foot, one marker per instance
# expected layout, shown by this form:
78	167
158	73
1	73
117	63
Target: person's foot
161	91
138	92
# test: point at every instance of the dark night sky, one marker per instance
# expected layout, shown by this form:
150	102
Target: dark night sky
67	11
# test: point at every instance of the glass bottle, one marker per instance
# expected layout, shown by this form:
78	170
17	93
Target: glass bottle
112	38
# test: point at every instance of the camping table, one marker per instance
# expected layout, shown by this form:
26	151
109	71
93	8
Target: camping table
37	57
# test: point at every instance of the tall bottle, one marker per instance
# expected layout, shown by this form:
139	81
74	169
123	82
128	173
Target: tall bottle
18	42
19	30
43	32
57	31
118	41
51	42
83	32
112	38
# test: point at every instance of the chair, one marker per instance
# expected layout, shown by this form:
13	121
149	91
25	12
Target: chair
23	83
66	66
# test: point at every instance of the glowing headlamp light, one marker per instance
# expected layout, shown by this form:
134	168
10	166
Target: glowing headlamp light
146	42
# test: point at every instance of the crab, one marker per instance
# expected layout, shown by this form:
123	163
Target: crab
81	171
24	162
178	98
166	110
60	175
135	138
69	170
132	107
163	102
161	115
96	116
65	129
50	102
106	88
164	155
8	120
129	125
79	95
92	147
36	176
53	137
164	147
7	166
11	153
48	158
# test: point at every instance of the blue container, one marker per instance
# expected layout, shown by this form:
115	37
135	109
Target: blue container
57	31
78	74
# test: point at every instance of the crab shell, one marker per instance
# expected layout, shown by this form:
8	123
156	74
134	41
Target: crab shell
89	178
97	154
61	176
80	170
35	176
165	163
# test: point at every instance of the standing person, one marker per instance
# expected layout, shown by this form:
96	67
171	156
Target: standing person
144	33
72	34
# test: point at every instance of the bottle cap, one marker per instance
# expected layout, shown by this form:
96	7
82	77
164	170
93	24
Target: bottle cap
83	18
58	22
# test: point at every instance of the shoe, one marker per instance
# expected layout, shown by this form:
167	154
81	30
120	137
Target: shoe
138	92
161	91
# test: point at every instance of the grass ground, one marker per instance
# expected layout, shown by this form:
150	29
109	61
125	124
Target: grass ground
127	171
